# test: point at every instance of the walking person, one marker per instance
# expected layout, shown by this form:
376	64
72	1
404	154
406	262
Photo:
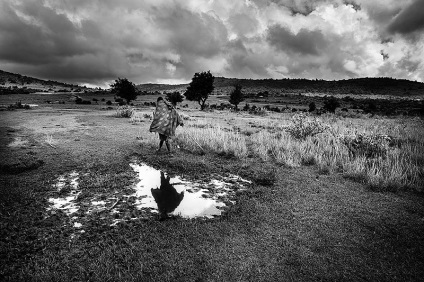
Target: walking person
165	121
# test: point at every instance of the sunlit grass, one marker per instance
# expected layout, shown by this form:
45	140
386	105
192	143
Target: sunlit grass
213	138
400	167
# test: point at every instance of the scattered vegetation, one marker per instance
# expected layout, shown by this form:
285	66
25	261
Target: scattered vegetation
19	105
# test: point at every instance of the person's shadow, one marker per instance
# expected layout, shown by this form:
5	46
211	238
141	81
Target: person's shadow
167	198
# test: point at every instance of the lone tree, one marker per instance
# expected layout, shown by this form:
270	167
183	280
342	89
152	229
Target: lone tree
236	96
200	87
174	97
124	89
331	104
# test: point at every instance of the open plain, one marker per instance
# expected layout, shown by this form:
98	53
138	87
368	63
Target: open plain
312	211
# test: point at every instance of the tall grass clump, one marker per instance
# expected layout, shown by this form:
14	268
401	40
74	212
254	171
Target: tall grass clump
303	126
384	154
124	112
324	150
214	139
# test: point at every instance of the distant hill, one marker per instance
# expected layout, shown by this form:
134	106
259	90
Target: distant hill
151	87
11	83
276	87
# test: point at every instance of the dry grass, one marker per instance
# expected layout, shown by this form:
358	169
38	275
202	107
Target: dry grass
124	112
213	138
50	141
401	166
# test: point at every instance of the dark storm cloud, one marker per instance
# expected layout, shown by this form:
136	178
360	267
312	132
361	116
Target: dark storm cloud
303	7
188	32
409	20
242	62
159	40
38	35
308	42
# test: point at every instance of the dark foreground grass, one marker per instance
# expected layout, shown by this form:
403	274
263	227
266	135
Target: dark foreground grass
289	225
297	229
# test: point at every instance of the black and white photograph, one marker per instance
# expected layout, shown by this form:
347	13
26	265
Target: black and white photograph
211	140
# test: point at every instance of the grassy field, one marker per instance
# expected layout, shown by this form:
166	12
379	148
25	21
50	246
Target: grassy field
341	203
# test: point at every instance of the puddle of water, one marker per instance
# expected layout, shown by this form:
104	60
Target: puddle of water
156	192
66	203
176	196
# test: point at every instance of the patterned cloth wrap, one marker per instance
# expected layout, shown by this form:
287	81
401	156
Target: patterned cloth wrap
165	119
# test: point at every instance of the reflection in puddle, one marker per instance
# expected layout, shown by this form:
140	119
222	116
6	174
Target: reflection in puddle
155	193
177	196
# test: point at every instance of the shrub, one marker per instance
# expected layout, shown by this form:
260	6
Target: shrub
236	96
312	107
369	146
124	111
109	102
174	97
136	118
303	126
124	89
258	111
19	105
331	104
80	101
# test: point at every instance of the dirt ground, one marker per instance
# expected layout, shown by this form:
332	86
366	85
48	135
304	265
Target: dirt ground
302	226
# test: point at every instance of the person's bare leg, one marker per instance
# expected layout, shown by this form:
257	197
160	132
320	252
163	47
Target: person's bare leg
160	145
168	146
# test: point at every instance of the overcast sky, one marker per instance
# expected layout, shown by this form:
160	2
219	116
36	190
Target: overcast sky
165	41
